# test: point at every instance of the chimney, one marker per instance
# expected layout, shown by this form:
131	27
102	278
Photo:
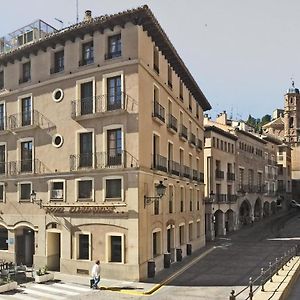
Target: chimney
87	16
222	118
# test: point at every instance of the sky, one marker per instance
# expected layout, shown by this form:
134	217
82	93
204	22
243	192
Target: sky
242	53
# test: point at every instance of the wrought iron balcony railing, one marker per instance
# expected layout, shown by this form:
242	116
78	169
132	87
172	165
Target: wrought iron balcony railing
173	167
199	144
27	166
159	162
104	103
172	123
27	118
221	198
195	175
201	177
219	174
57	69
192	139
102	160
159	112
187	172
24	79
114	54
230	176
86	61
183	132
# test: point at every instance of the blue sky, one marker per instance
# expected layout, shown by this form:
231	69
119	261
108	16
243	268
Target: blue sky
242	53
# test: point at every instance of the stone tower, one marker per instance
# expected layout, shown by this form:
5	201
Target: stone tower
292	116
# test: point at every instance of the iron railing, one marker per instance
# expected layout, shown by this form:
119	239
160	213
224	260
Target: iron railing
201	177
192	139
57	69
172	123
230	176
86	61
183	132
111	55
199	144
221	198
102	160
159	162
24	79
219	174
27	118
103	103
186	172
266	274
27	166
174	167
158	111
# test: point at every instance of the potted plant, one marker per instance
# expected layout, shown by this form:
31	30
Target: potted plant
6	284
42	275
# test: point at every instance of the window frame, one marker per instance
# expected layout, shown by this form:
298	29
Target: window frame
3	184
104	180
20	192
77	199
108	247
50	183
89	234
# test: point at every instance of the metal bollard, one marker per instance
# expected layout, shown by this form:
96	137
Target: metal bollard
277	266
282	262
251	289
232	296
271	275
262	279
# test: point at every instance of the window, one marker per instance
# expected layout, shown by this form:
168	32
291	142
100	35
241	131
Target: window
114	46
25	191
1	193
155	60
115	248
85	189
59	62
181	90
113	189
1	80
156	207
84	246
86	96
198	200
87	54
2	159
181	199
114	93
181	234
26	111
156	246
170	77
198	229
26	157
197	110
171	199
190	103
241	179
3	238
57	190
2	117
191	200
86	149
57	140
26	72
114	147
190	231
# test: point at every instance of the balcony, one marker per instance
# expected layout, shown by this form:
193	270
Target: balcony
25	120
159	163
158	112
57	69
230	176
102	160
192	139
111	55
96	106
219	174
173	167
195	175
28	166
199	145
86	61
221	199
172	123
201	177
187	172
24	79
183	134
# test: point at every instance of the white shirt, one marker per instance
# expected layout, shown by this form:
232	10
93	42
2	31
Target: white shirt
96	270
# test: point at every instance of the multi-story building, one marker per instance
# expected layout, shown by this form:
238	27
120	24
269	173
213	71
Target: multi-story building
249	191
95	119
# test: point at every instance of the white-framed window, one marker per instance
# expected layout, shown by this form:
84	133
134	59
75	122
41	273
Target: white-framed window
113	188
24	190
25	155
83	245
56	189
2	192
115	251
57	140
113	88
85	189
57	95
3	118
85	149
156	242
85	92
3	158
25	118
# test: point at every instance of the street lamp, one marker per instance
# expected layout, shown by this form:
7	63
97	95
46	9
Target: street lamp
34	200
160	191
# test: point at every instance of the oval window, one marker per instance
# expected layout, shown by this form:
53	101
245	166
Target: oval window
57	140
57	95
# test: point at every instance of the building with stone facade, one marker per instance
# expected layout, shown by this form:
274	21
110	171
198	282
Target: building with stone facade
92	118
241	176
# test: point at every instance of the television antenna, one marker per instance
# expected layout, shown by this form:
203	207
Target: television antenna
60	21
77	16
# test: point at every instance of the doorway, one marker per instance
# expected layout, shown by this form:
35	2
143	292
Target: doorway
53	250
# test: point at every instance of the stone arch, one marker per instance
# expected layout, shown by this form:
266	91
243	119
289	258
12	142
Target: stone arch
245	212
258	209
24	224
229	220
266	209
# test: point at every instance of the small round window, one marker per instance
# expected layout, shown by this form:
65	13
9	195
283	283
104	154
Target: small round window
57	95
57	140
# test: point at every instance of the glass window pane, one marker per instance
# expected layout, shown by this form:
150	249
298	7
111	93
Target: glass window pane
116	249
83	246
85	189
113	188
25	191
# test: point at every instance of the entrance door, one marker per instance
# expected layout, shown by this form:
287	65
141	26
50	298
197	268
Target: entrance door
24	246
53	251
170	243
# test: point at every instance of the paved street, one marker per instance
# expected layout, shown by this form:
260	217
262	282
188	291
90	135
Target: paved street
229	266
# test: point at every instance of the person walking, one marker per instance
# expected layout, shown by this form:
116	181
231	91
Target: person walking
96	274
